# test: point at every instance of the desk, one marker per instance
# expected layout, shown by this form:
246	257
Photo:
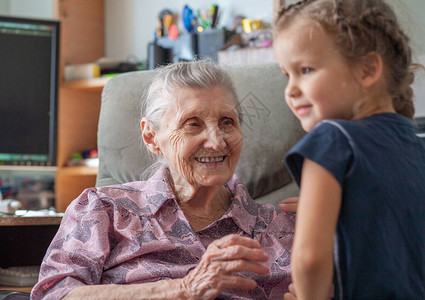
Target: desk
24	241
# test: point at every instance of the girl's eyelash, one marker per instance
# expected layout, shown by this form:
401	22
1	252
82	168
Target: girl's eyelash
285	74
307	70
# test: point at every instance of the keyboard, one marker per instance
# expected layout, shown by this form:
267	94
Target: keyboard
19	276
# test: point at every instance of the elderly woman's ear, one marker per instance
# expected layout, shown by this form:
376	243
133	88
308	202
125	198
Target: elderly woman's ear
149	137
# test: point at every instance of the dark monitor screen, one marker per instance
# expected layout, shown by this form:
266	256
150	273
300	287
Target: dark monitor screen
29	58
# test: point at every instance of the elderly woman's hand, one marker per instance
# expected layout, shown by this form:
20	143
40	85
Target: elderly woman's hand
224	257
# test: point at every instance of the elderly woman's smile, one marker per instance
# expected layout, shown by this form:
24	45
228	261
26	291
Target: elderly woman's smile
200	136
210	159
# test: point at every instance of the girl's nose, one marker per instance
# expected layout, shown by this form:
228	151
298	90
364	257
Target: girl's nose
215	139
292	90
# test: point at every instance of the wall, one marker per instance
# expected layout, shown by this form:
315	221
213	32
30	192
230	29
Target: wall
42	9
419	89
411	16
131	24
4	6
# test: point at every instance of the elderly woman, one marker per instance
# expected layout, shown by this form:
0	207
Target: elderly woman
191	231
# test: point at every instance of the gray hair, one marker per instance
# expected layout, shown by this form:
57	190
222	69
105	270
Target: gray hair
201	74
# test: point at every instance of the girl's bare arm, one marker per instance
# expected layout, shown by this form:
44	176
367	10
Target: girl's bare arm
317	215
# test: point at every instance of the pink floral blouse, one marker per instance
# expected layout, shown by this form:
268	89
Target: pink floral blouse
136	232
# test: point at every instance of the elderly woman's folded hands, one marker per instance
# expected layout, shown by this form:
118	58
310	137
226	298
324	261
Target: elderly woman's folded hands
216	272
223	258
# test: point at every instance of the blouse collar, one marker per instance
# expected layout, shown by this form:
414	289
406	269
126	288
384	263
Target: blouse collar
243	209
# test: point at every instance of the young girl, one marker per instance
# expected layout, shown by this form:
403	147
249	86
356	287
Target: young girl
361	168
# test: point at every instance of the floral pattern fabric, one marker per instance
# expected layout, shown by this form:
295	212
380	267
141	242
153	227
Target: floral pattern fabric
136	232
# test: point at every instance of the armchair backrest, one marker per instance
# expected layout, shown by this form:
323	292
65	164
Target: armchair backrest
269	129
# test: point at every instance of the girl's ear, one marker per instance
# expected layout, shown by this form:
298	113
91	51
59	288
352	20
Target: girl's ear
370	69
149	137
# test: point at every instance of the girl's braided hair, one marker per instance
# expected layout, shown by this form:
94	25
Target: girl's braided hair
360	27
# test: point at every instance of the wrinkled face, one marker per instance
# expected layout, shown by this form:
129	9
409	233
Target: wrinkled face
200	136
321	84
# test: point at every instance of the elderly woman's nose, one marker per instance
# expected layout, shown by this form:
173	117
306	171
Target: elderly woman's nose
215	139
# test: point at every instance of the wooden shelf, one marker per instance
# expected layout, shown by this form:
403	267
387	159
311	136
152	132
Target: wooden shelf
27	168
29	221
88	85
82	41
79	171
26	289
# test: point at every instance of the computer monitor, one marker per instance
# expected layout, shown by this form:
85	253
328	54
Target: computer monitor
29	58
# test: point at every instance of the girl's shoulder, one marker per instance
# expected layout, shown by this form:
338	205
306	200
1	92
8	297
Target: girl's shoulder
375	121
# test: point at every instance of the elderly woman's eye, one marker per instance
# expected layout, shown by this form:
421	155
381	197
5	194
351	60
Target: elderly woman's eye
192	122
192	125
226	123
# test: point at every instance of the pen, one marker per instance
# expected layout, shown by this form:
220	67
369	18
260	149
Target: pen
214	17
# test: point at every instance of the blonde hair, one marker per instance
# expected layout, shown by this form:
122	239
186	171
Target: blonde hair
360	27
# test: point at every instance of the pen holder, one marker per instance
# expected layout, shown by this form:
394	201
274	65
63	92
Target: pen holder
210	41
